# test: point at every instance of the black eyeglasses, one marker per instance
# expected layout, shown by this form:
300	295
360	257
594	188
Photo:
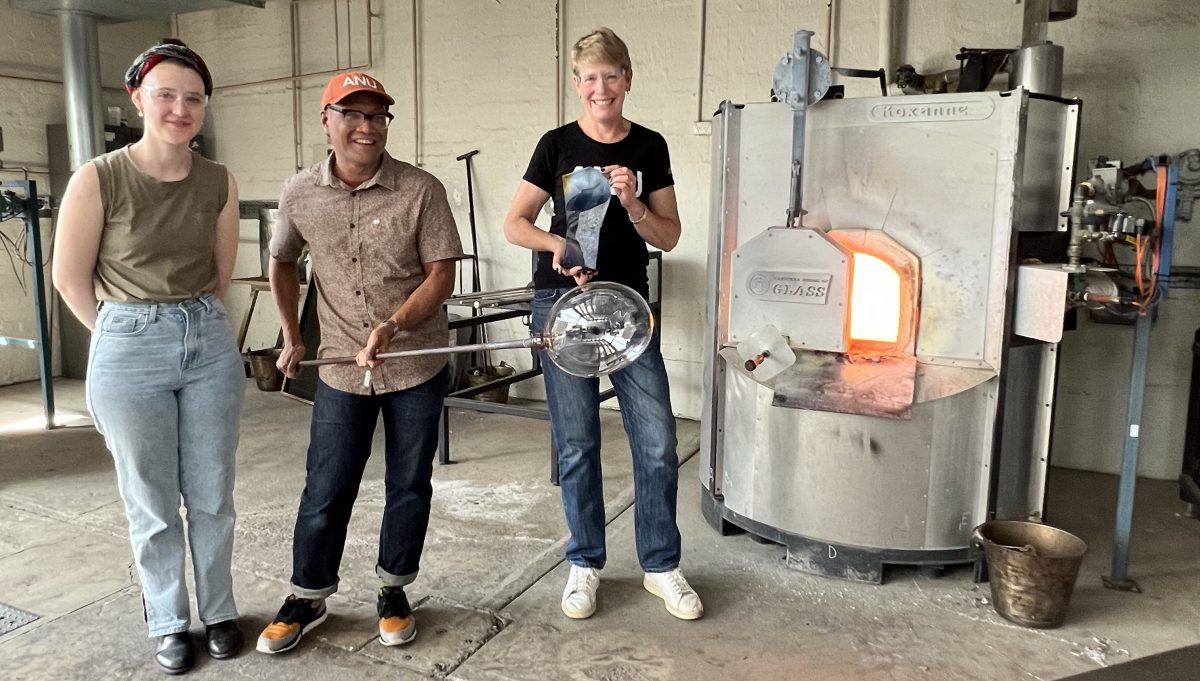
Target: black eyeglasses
354	117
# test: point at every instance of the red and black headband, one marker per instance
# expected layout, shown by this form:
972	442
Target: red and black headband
167	51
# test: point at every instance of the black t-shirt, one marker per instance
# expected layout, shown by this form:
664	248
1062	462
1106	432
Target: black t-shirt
622	255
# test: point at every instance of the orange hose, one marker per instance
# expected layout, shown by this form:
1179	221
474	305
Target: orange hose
1137	272
1160	205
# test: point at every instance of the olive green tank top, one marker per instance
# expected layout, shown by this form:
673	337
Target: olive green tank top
158	244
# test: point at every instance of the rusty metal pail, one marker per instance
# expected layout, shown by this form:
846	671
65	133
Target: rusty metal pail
266	375
1031	569
477	376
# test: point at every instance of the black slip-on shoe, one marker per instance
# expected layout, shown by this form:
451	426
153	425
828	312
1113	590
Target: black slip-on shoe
174	654
224	639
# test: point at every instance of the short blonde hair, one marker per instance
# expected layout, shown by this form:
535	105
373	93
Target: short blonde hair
601	45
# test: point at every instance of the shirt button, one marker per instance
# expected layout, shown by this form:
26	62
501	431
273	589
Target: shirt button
353	259
366	325
351	225
358	293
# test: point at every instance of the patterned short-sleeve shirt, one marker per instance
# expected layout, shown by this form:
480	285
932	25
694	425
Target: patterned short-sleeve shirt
368	246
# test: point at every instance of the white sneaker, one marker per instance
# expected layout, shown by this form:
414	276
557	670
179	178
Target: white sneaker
579	598
675	591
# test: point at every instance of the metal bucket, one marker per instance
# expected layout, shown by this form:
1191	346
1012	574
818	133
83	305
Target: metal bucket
480	375
1032	570
266	375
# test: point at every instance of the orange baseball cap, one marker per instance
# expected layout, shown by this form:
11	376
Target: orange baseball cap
343	85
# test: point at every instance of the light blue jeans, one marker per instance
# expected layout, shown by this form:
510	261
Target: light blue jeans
645	399
165	386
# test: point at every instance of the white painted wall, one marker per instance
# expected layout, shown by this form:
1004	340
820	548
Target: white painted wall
484	77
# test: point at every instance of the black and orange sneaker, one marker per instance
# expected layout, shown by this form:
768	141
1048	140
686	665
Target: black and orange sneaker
295	619
397	624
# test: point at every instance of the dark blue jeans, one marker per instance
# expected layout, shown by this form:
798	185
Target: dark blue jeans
645	400
343	425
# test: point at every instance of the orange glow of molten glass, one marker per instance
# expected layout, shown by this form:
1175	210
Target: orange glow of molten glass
874	300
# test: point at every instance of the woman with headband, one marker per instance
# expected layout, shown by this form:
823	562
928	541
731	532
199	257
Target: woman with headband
145	248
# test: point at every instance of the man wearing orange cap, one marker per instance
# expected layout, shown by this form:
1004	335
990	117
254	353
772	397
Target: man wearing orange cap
383	244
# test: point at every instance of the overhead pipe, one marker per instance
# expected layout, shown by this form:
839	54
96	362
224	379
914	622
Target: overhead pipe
887	29
350	34
560	8
830	42
298	77
703	38
297	135
416	81
368	64
1034	18
1038	64
81	85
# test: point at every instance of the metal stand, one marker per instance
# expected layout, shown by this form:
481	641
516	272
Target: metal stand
478	331
1119	579
33	232
471	217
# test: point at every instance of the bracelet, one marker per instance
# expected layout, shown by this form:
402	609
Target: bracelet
644	214
390	323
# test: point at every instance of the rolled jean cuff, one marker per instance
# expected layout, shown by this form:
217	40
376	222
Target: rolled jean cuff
314	594
388	579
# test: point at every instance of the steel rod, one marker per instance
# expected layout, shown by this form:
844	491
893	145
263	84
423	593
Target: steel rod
468	298
506	299
800	71
531	342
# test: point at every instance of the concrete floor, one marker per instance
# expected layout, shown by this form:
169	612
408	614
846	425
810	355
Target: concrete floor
487	597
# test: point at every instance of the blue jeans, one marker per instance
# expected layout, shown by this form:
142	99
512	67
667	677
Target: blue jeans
343	425
645	400
165	386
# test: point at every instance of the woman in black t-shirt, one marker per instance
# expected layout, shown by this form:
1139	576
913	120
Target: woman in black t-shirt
591	237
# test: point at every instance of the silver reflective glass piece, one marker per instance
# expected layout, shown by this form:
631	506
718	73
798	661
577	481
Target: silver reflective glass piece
586	192
598	328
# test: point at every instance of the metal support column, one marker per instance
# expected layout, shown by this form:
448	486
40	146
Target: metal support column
81	85
39	302
1119	579
33	234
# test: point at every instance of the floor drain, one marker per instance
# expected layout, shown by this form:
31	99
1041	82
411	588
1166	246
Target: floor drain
14	618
